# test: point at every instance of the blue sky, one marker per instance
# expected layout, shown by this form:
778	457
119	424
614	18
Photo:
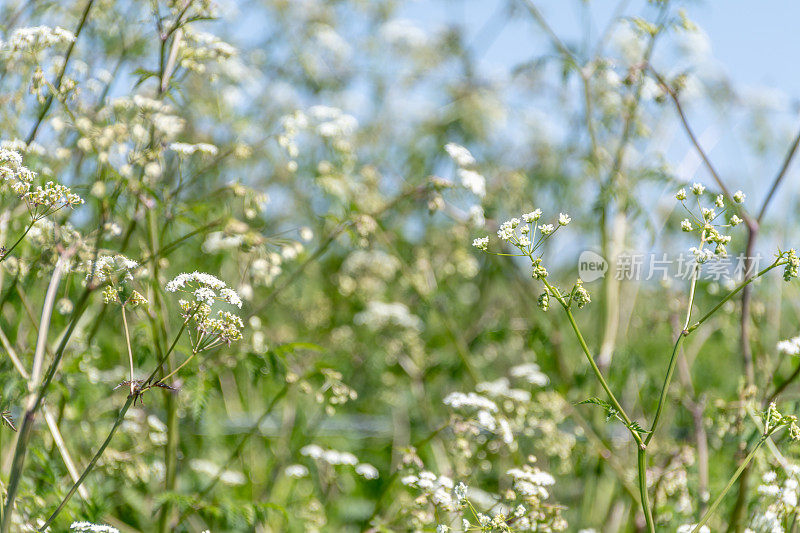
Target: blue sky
757	42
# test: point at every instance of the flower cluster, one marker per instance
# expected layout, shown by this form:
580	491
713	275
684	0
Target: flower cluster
479	415
499	412
116	271
329	123
380	315
438	490
792	269
51	197
774	420
13	173
185	149
790	346
212	470
778	501
465	161
36	38
704	223
521	509
528	235
198	48
336	458
89	527
522	234
40	200
206	290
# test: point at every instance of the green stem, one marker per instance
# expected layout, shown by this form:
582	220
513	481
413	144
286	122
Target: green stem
687	330
6	253
732	480
165	378
592	363
92	463
642	467
665	388
733	293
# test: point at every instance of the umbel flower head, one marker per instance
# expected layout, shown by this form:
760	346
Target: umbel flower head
708	223
774	420
117	272
206	290
792	265
40	200
527	234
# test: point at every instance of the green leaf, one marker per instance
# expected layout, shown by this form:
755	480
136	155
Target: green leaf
611	411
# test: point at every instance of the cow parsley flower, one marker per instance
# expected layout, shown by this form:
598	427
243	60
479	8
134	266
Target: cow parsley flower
481	243
698	189
712	241
789	346
533	216
206	290
93	528
296	471
185	150
37	38
460	155
792	265
473	181
580	295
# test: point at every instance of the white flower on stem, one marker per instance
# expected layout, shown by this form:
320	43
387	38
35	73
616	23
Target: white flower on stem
205	290
698	189
460	155
296	471
92	528
739	197
481	243
533	216
473	181
789	346
563	219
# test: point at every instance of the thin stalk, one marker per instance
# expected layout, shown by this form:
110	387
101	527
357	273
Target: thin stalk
686	331
49	101
598	374
675	350
166	354
114	428
236	451
665	388
731	481
642	474
733	293
48	417
128	344
179	367
34	401
92	463
6	253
